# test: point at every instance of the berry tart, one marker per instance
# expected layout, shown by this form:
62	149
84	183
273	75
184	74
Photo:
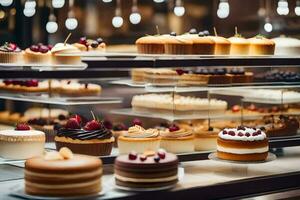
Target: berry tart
177	140
85	44
32	85
91	139
151	44
21	143
242	144
63	174
10	53
39	53
149	169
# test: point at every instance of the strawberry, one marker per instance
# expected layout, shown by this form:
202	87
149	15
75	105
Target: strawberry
22	127
92	125
78	118
72	123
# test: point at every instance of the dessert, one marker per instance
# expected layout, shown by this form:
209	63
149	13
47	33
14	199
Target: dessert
286	46
239	45
10	53
222	45
279	76
201	43
259	45
161	76
177	140
24	85
138	75
147	170
139	139
242	144
93	139
61	174
85	44
21	143
151	44
117	131
39	54
239	75
205	138
177	44
74	88
70	54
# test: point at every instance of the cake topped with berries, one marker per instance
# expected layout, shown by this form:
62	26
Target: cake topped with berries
242	144
39	53
149	169
9	47
85	44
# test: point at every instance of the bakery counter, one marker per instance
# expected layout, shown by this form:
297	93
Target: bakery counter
208	179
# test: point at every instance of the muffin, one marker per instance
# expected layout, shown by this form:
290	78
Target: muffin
151	44
10	53
138	139
222	45
177	140
206	139
259	45
85	44
178	45
38	54
202	44
239	45
93	139
71	54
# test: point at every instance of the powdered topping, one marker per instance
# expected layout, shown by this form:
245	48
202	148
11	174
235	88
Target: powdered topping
242	134
139	132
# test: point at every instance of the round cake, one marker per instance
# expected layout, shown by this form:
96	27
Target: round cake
63	174
242	144
151	44
259	45
205	138
148	170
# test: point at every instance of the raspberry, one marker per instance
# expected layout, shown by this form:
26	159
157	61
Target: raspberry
34	48
240	134
161	154
43	49
22	127
92	125
83	40
181	71
13	46
7	82
32	83
173	128
143	157
72	123
137	121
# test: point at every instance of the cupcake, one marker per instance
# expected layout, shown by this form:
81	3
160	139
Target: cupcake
71	54
117	131
10	53
150	44
139	139
177	140
239	45
90	45
222	45
38	54
259	45
178	44
93	139
206	139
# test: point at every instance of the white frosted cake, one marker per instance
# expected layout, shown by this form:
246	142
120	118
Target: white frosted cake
22	143
242	144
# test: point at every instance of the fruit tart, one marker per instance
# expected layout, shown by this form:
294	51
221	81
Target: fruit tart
39	53
85	44
10	53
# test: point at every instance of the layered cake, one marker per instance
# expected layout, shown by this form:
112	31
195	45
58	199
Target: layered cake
161	76
177	44
61	174
63	53
21	143
147	170
10	53
138	75
139	139
39	54
74	88
259	45
239	75
151	44
91	139
205	138
85	44
177	140
242	144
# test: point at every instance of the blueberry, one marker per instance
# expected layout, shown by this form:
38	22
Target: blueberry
99	40
173	34
206	33
94	44
201	34
193	31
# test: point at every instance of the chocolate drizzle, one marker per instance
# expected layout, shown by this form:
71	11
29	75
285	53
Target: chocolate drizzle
82	134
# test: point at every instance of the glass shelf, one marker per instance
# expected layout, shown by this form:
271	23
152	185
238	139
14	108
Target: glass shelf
42	67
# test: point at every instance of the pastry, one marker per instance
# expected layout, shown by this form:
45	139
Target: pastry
222	45
161	76
138	139
206	138
24	85
10	53
38	54
151	44
259	45
176	140
286	46
85	44
70	57
62	174
177	44
147	170
202	44
138	75
21	143
53	113
93	139
119	130
74	88
239	75
239	45
242	144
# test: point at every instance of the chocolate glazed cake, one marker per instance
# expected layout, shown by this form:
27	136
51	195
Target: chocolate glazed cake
148	170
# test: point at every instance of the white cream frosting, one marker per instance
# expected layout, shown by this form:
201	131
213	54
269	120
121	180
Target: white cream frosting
252	137
14	133
64	48
242	151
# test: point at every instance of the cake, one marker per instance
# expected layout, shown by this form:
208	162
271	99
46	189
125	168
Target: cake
74	88
161	76
38	54
242	144
10	53
239	45
214	76
222	45
202	44
177	44
259	45
287	46
31	85
147	170
70	57
139	139
85	44
138	75
117	131
93	139
239	75
177	140
206	138
21	143
63	174
151	44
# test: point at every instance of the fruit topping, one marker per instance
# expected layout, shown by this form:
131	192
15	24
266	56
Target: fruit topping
34	48
201	34
224	132
137	121
22	127
156	158
93	125
83	40
43	49
232	133
143	157
161	154
8	82
99	40
32	83
206	32
173	34
132	155
174	128
50	46
181	71
252	107
72	123
241	128
235	108
193	31
78	118
248	134
258	132
240	134
13	46
94	44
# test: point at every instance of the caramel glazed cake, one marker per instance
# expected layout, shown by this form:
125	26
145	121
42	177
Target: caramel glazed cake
242	144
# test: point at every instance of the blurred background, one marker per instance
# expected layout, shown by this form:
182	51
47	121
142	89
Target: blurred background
123	21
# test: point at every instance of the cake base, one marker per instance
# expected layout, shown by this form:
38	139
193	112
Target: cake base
242	157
